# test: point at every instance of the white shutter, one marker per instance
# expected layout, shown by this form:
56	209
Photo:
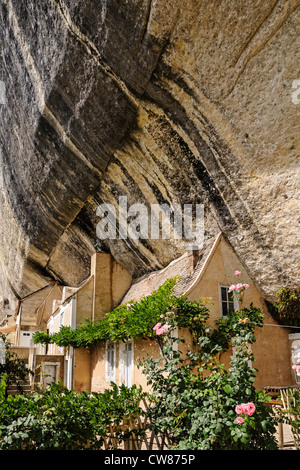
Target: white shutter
126	354
110	363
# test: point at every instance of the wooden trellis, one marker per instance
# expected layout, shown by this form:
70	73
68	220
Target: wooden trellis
134	434
288	400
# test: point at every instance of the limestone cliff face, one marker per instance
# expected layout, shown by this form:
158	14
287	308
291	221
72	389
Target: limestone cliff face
184	101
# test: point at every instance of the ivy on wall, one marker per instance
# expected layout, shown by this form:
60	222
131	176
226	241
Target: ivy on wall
137	320
286	309
133	320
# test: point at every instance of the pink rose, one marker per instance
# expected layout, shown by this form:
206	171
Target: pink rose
239	420
159	331
296	368
239	286
232	287
246	286
166	328
251	408
237	273
245	408
239	409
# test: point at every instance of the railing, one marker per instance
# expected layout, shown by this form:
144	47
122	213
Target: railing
288	401
283	398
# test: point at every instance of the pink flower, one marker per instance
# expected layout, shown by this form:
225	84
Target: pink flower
232	287
239	286
158	325
246	286
237	273
297	356
251	408
159	331
166	328
245	408
239	420
296	368
239	409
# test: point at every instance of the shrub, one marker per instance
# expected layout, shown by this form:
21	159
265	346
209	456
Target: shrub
14	368
286	309
197	398
58	418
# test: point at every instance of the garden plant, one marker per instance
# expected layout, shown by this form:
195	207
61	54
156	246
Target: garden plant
200	404
195	400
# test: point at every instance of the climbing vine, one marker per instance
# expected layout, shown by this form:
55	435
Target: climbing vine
286	309
133	320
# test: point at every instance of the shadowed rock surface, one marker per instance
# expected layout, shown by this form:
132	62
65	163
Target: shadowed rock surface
163	102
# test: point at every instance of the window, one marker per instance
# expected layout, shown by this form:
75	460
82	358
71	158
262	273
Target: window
50	373
227	301
110	363
126	363
25	339
2	351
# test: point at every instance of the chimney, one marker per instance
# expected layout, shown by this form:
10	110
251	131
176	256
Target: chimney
193	257
101	270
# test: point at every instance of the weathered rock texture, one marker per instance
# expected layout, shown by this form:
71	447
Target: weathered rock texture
161	101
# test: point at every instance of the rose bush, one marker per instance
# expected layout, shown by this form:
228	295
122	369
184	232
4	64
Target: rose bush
197	399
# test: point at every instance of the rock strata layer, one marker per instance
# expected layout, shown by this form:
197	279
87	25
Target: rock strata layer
190	102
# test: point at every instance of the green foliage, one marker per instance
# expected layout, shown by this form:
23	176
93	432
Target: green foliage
14	369
234	323
196	396
3	385
58	418
135	320
290	414
286	309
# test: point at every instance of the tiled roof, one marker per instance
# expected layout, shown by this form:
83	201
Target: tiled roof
181	267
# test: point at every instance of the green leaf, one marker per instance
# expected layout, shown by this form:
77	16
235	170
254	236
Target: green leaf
227	389
264	425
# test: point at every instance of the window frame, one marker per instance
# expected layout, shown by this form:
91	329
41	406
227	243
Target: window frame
221	301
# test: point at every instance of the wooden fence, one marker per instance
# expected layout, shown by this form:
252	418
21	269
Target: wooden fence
282	400
134	434
287	397
140	437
